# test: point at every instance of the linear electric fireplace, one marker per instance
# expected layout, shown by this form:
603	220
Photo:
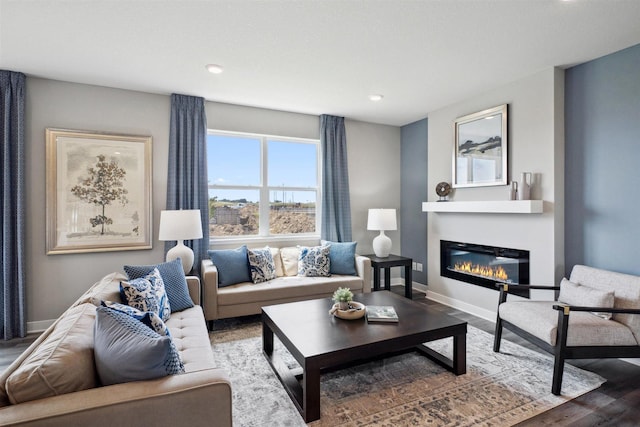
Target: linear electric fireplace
485	265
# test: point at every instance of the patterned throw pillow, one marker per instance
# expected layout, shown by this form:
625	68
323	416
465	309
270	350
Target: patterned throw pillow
263	268
126	350
314	261
147	294
175	283
149	318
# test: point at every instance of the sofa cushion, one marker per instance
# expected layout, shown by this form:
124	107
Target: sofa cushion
262	266
175	282
314	261
191	338
585	329
290	256
288	287
126	350
149	318
574	294
62	363
147	294
342	257
232	265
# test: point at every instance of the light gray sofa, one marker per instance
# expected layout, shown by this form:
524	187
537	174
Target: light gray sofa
243	299
61	360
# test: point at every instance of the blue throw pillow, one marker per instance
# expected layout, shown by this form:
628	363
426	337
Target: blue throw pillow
232	264
343	257
147	294
126	350
175	284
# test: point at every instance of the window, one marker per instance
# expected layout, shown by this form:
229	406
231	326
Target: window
262	186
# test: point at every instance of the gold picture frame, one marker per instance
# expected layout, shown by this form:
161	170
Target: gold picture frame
480	154
98	192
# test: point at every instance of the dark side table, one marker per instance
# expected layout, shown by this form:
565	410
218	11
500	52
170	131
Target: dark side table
378	263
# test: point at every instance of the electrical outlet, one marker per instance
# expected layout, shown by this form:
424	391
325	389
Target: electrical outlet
419	266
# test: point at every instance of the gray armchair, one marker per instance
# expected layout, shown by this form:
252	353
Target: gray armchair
597	315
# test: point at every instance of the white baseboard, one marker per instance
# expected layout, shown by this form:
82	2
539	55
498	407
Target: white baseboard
38	326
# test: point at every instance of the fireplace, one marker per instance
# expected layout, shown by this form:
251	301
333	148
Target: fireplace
485	265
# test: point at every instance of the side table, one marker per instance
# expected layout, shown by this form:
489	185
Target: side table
378	263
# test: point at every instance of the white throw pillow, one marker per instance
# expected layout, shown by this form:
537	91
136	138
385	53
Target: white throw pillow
580	295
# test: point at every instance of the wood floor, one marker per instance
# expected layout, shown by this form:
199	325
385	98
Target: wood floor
615	403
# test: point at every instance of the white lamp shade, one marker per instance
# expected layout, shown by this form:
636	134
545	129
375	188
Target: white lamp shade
180	225
382	219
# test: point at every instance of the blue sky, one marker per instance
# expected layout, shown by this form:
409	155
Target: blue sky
235	160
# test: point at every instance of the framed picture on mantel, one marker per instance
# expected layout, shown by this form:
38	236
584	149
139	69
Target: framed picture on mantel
98	192
480	152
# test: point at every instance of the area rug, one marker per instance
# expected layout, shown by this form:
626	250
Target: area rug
499	389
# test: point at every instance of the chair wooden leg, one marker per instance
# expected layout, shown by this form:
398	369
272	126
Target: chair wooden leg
558	370
497	336
561	346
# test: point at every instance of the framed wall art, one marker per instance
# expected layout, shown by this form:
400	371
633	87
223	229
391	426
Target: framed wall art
98	192
480	154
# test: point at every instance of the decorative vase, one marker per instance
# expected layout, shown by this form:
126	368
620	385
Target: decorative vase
343	305
514	190
524	190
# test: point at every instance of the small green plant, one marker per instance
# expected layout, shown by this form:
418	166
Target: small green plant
343	295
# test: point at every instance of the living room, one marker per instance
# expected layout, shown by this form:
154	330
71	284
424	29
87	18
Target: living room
572	126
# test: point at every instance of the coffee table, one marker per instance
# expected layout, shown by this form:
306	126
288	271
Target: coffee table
319	341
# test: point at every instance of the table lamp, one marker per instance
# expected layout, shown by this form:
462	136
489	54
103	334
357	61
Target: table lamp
180	225
382	219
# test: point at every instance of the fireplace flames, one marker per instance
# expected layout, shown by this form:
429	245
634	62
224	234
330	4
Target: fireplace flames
497	273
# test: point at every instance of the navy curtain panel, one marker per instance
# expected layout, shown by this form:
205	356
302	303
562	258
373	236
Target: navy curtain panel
13	321
187	186
336	206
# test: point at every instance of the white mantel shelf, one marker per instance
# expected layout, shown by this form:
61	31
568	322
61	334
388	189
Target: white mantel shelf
498	206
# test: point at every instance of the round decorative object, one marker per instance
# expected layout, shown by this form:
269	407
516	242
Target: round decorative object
443	189
356	311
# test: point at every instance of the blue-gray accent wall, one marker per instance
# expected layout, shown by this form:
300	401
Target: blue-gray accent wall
413	181
602	171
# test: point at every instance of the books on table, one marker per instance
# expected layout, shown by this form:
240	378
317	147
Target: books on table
381	313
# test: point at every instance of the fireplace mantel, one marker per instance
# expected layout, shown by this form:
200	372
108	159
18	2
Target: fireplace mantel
497	206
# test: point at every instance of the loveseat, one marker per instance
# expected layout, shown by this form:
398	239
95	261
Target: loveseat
37	389
247	298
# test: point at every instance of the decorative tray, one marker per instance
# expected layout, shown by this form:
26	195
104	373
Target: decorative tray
356	311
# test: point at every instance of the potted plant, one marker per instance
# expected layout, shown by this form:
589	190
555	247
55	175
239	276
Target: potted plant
343	296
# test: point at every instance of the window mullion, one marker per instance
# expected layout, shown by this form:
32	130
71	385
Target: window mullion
264	188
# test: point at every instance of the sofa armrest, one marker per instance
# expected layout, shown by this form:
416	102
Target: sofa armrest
199	398
193	283
209	289
363	268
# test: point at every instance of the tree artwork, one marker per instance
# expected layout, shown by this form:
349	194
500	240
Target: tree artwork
103	186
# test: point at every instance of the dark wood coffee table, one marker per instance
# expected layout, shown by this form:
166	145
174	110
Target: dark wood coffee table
319	341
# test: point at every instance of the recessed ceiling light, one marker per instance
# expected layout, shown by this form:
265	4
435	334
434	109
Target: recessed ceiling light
376	97
214	68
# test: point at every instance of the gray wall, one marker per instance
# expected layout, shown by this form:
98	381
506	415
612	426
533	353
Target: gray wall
603	152
55	281
414	191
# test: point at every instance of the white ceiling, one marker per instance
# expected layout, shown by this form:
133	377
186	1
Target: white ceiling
316	57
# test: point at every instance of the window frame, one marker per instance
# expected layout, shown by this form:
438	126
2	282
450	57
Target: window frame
264	189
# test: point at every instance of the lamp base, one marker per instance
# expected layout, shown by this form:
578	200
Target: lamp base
382	245
184	253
